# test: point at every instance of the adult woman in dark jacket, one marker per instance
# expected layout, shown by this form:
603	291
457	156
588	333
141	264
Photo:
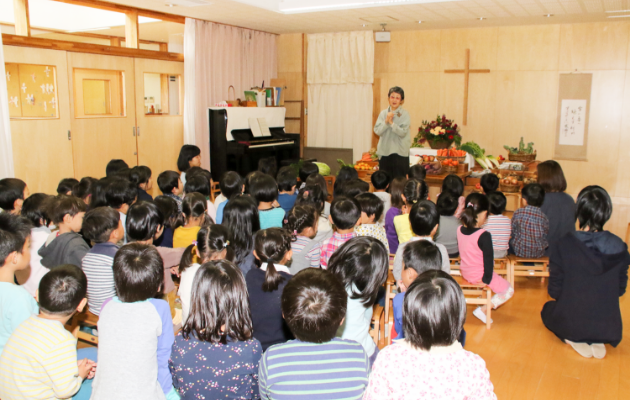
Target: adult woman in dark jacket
588	273
558	206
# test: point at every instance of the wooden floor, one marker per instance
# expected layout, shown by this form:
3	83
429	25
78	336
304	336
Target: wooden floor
527	361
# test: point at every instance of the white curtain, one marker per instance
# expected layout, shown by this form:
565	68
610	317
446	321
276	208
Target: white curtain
215	57
340	74
6	149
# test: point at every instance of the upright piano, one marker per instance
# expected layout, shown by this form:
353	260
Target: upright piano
233	145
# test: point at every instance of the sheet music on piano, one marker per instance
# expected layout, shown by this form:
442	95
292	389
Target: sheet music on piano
264	127
254	125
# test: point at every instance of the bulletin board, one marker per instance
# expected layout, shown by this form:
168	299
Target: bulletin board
32	91
574	105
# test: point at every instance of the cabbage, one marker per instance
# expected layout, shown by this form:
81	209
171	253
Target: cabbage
324	169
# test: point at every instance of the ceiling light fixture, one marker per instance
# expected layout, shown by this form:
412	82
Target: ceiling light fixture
170	5
420	22
618	16
616	11
548	15
364	25
481	18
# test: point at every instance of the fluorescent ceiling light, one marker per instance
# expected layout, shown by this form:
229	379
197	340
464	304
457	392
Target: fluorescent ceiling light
305	6
66	17
618	16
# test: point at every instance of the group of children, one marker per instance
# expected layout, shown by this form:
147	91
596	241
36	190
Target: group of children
276	284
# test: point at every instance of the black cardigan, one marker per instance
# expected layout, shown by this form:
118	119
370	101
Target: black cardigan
588	273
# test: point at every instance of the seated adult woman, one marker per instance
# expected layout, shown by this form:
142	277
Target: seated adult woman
558	206
588	273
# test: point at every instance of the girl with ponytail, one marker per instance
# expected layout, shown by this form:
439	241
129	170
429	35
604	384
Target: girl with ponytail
313	195
302	222
414	191
212	244
265	285
477	254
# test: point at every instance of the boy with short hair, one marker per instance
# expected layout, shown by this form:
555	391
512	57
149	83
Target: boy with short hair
104	228
67	186
120	195
135	331
67	246
499	226
447	204
171	186
308	168
529	225
114	166
423	219
371	212
13	191
16	304
314	305
418	257
345	215
489	183
40	358
380	181
231	185
287	181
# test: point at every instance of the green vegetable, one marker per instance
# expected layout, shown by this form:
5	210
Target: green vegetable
342	164
521	148
473	149
483	162
324	169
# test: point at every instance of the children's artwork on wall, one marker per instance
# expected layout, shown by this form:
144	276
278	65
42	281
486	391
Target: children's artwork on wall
32	91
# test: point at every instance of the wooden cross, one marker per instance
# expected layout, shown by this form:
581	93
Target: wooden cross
466	71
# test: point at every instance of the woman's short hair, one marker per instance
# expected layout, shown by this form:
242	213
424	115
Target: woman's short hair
187	153
397	89
219	297
434	310
314	303
594	208
551	177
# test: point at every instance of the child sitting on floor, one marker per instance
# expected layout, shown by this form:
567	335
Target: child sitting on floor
212	244
428	362
16	304
104	228
454	185
200	183
189	157
265	285
265	190
314	304
345	214
447	231
40	359
120	195
307	169
423	219
361	264
314	196
371	212
380	181
171	186
396	189
135	331
231	185
66	186
499	226
141	177
65	246
489	183
215	355
530	225
302	221
34	209
172	219
317	179
13	192
477	254
194	210
413	192
418	172
287	181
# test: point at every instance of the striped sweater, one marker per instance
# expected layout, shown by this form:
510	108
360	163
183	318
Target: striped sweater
39	362
97	266
500	228
299	370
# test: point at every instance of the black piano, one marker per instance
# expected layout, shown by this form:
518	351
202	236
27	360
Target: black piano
233	146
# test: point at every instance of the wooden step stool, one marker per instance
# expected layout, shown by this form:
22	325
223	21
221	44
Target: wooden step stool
477	294
540	267
84	318
501	267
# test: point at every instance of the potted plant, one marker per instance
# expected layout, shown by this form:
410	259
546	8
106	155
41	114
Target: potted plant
440	134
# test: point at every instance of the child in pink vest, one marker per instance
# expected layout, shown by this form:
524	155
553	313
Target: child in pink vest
477	254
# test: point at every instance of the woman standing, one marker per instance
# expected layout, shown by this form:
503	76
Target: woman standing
392	127
558	206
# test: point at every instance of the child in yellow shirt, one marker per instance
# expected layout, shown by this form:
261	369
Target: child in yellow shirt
194	208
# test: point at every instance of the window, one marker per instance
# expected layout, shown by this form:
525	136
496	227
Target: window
32	91
161	94
98	93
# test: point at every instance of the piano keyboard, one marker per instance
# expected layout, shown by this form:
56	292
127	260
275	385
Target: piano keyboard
256	146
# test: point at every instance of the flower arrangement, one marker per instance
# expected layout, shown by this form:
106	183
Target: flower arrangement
440	133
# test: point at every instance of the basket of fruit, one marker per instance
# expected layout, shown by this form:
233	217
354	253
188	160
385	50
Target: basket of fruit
450	165
511	184
453	154
433	168
369	158
522	153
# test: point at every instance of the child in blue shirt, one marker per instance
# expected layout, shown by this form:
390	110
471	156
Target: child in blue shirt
16	304
287	181
265	190
231	186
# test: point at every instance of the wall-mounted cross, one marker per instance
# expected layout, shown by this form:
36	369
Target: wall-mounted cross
466	71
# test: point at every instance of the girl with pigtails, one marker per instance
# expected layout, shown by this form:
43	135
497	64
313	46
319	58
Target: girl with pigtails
477	254
272	248
212	244
302	222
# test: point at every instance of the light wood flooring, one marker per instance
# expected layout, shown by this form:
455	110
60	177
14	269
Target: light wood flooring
527	361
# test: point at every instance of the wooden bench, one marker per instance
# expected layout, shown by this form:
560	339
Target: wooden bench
83	318
501	267
477	294
539	269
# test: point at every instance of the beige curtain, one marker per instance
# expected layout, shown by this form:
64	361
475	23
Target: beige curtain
340	72
6	149
215	57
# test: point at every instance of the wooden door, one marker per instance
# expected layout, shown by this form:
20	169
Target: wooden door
42	151
159	84
103	114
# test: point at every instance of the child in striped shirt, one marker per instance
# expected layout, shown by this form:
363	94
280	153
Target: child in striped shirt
302	222
40	359
499	226
316	365
371	212
104	228
345	214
